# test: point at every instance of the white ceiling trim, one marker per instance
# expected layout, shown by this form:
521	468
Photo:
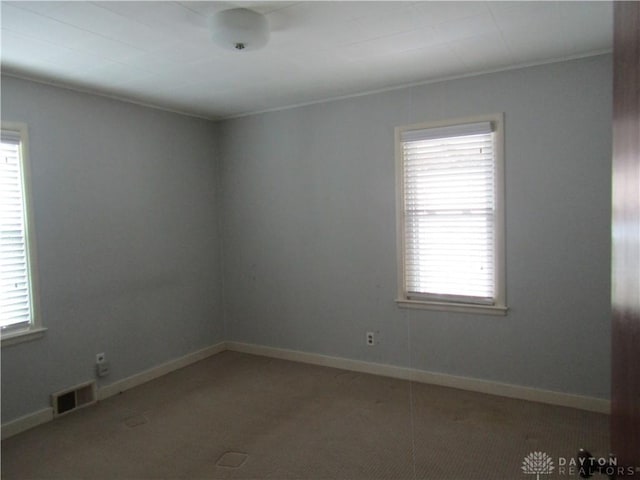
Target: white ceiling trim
99	93
595	53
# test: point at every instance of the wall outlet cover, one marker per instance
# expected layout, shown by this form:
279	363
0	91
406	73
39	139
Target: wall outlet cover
102	369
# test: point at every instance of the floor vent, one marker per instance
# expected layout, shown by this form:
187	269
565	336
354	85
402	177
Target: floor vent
73	398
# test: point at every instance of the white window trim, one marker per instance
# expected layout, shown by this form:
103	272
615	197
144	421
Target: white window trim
500	306
35	330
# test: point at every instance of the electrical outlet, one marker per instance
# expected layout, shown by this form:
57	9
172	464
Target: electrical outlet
101	358
371	339
102	369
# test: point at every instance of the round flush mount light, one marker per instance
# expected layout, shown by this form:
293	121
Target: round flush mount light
239	29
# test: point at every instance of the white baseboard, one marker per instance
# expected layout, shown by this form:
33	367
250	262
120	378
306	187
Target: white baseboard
31	420
26	422
591	404
120	386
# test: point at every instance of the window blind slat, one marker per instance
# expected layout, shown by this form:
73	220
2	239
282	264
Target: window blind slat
462	130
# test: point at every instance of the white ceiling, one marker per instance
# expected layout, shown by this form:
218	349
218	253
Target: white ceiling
160	54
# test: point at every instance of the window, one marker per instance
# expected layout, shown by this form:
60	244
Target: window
19	318
450	215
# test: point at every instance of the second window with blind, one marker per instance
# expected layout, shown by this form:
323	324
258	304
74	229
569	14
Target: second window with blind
19	313
450	215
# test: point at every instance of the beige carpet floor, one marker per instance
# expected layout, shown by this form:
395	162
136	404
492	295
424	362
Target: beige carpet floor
238	416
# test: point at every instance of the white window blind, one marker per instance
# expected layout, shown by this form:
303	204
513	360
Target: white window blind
449	218
15	290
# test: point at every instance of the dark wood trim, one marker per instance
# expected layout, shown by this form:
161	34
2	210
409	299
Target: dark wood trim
625	398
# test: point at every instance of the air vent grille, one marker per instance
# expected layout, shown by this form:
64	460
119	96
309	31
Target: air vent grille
67	401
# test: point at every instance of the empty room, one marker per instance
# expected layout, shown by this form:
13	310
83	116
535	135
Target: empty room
320	240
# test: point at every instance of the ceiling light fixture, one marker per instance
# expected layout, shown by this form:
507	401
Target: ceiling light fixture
239	29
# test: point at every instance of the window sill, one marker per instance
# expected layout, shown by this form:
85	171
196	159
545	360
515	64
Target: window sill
453	307
21	336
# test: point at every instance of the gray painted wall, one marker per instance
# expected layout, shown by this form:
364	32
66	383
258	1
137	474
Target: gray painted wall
131	213
127	239
309	230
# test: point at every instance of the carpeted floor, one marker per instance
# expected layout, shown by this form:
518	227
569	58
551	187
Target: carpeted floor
238	416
